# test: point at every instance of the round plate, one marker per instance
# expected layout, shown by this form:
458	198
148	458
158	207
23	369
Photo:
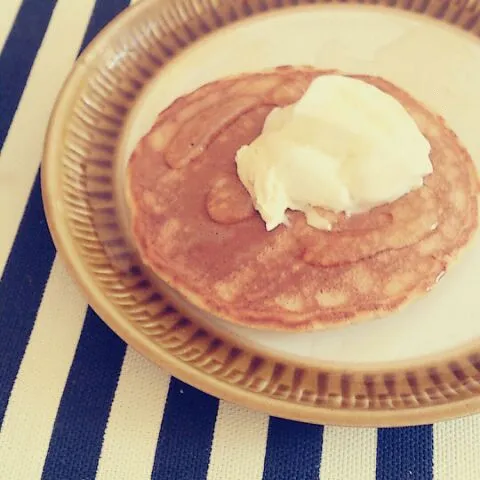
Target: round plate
417	366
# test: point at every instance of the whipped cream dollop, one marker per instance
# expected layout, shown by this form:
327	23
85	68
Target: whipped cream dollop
345	146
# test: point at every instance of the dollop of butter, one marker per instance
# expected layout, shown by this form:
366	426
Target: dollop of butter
345	146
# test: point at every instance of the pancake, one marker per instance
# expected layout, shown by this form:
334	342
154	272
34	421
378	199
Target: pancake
195	226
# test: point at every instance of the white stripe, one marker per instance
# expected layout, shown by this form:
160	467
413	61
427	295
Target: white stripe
348	453
456	449
130	440
239	443
9	12
21	152
37	392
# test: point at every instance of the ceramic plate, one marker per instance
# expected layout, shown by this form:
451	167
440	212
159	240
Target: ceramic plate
417	366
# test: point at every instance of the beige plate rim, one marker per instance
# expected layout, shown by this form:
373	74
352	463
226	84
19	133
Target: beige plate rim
52	193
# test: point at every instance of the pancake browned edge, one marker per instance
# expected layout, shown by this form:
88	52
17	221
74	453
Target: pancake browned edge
195	226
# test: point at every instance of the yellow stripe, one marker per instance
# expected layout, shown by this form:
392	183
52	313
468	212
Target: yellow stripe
22	150
131	435
349	453
239	443
456	451
9	12
36	395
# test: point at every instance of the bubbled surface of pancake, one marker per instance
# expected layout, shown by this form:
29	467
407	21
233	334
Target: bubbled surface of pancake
195	225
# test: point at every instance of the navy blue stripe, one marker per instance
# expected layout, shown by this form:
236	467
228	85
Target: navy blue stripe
293	450
185	442
81	420
21	289
18	55
30	261
103	12
405	453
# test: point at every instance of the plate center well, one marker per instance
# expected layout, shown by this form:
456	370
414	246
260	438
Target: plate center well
439	65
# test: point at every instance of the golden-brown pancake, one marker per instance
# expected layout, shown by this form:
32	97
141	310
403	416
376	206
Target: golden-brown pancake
195	226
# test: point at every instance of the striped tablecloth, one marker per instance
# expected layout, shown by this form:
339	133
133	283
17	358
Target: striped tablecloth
76	402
